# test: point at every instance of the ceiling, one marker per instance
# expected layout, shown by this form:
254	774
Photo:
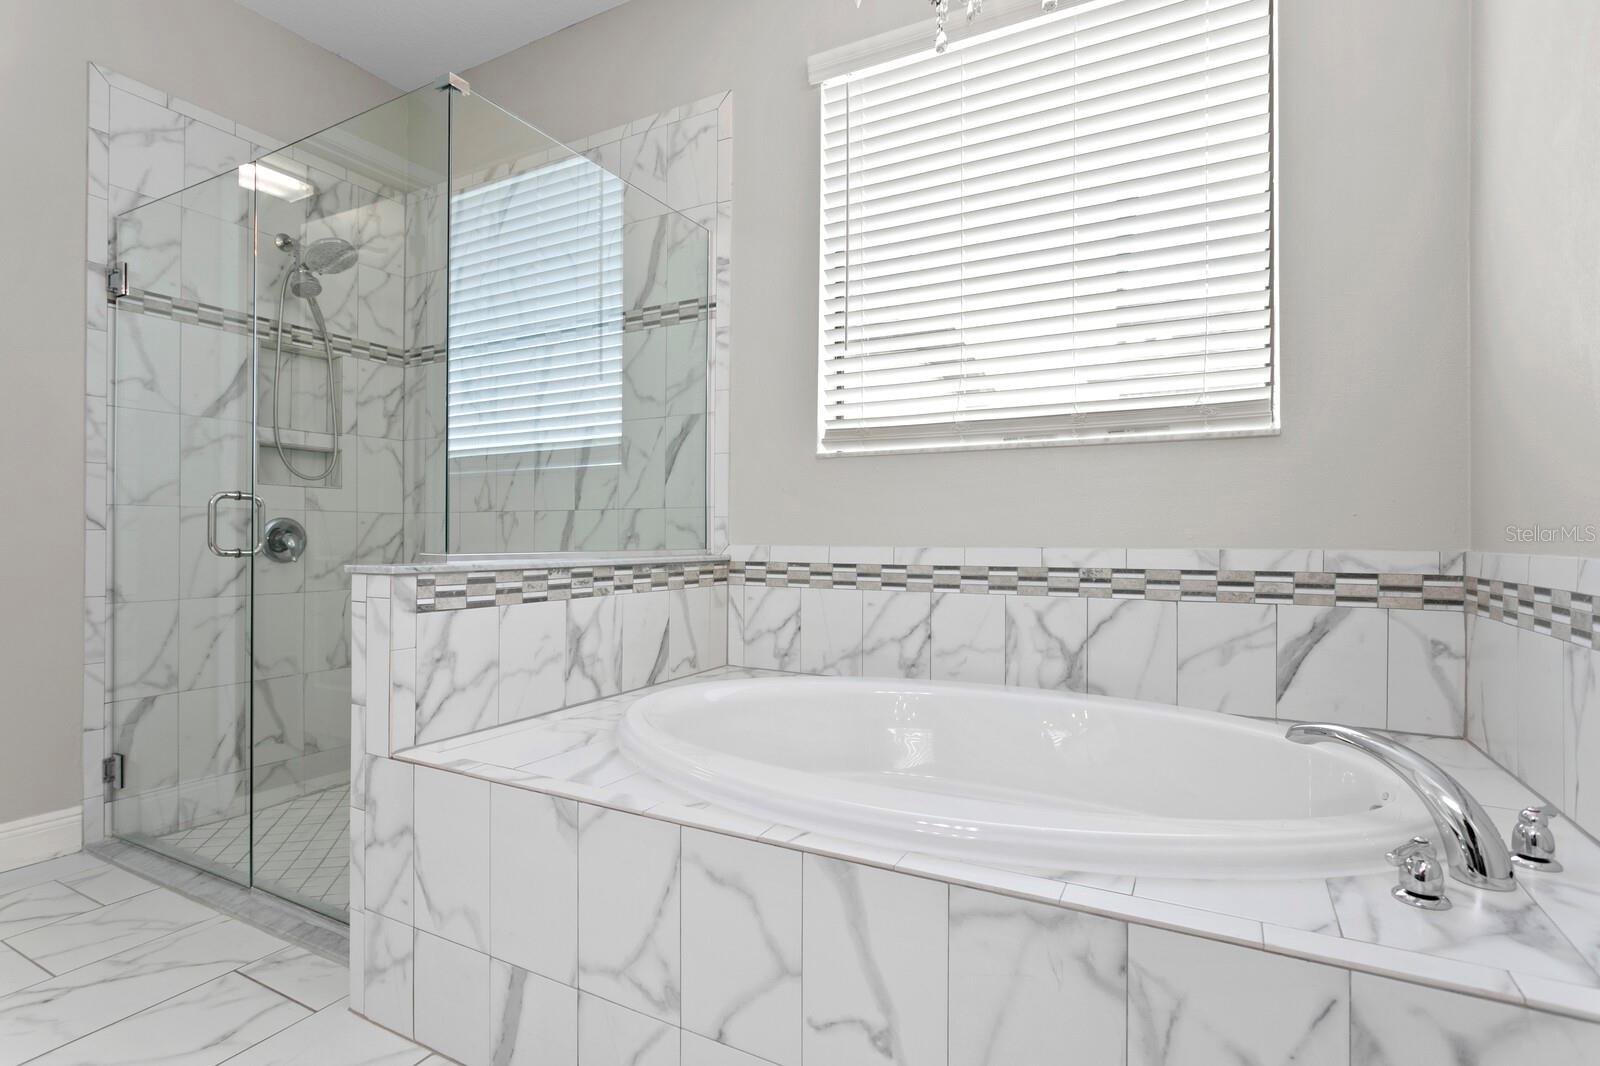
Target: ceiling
409	43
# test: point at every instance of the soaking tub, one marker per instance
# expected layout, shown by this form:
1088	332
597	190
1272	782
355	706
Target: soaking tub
1025	779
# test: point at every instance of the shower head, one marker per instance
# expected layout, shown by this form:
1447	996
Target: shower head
328	255
325	255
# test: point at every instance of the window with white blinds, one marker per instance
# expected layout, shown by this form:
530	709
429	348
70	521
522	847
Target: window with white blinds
536	313
1057	232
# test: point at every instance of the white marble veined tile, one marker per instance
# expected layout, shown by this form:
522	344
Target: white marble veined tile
830	632
1427	672
642	478
452	857
1279	560
533	640
969	638
1572	905
741	944
213	454
1046	641
146	471
50	870
645	648
1394	1022
628	912
105	885
696	630
1174	558
1541	761
146	145
452	999
38	905
1493	694
146	373
533	882
698	1051
683	469
594	648
1195	1000
204	1025
380	399
333	1035
53	1012
17	972
532	1021
380	313
1491	784
213	642
145	733
1360	561
1302	904
1227	657
897	633
611	1035
1581	725
644	373
1331	665
1506	930
771	626
1028	981
457	672
1133	649
389	840
876	965
387	971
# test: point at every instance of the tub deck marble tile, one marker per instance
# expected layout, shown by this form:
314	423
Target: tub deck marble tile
1538	946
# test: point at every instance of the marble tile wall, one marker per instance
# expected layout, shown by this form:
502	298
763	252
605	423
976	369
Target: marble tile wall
169	403
667	486
687	946
1533	697
1259	634
428	675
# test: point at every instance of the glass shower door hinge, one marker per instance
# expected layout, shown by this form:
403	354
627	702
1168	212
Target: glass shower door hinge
111	771
116	282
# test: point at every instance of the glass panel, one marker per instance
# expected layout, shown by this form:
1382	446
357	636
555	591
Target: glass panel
345	293
578	337
179	658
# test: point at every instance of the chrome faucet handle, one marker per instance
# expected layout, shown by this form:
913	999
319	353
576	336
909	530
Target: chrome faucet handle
1533	842
1421	877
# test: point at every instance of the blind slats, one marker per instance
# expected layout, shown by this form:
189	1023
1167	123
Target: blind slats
536	313
1059	231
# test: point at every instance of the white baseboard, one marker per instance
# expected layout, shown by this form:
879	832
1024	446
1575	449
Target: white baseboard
43	836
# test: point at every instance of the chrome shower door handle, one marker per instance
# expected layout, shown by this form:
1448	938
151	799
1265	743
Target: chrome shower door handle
255	525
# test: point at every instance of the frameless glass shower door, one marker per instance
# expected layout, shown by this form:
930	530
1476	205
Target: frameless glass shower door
183	522
429	327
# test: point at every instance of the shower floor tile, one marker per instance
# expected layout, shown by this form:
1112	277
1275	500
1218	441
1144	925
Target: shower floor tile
302	847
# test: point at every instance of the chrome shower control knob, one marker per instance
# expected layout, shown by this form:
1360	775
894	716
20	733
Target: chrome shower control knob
284	540
1533	842
1421	877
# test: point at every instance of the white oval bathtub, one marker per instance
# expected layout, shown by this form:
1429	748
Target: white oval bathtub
1026	779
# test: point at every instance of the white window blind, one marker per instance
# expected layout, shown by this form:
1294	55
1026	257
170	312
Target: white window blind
1060	231
536	313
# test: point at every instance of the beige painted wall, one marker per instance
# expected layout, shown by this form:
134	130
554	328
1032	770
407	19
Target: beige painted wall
1373	160
1535	271
219	56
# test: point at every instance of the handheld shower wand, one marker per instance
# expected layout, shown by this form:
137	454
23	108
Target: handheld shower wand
328	255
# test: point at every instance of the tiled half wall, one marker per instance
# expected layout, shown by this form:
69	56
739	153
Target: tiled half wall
1498	648
503	924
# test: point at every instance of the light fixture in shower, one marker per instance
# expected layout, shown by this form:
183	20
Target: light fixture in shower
274	182
941	13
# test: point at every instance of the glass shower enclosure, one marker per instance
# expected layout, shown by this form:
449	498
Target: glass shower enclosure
430	328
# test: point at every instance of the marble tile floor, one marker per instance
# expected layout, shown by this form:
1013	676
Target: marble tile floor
100	967
302	847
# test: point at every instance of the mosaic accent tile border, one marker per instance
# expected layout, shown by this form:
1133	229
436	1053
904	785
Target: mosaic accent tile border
499	588
1567	616
196	313
193	312
1311	589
